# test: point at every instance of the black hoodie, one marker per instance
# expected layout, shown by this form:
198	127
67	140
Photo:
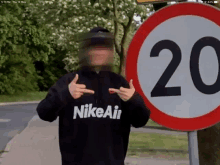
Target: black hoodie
94	129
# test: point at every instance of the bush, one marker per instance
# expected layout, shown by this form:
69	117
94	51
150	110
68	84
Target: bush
49	73
17	75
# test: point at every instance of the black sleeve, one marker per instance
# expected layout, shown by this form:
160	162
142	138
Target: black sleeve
57	97
139	113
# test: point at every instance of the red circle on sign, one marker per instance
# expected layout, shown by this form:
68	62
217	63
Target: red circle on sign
181	9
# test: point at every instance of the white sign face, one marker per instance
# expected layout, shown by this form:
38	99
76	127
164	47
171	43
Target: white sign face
184	31
173	60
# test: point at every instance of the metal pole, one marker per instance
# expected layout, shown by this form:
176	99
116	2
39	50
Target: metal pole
193	148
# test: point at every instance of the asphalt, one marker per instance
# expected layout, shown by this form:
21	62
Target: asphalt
14	119
38	144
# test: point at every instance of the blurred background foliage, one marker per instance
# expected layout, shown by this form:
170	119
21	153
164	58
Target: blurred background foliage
38	38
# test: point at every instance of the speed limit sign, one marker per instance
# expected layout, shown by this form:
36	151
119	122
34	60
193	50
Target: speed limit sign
174	61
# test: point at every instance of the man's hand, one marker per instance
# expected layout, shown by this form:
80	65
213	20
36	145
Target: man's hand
77	90
124	93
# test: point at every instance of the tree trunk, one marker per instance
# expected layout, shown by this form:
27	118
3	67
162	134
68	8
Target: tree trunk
209	145
123	63
158	6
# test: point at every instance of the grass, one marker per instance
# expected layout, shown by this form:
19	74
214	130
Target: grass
152	123
160	155
140	143
29	96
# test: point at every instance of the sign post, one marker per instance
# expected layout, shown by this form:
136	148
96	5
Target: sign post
174	61
193	148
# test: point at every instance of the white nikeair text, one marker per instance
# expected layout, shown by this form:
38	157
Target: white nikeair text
87	111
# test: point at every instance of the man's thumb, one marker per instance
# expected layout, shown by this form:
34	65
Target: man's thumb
76	78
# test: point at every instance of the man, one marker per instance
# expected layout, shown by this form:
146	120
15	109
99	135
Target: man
96	107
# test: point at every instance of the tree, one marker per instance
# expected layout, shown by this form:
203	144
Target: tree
50	72
22	41
67	19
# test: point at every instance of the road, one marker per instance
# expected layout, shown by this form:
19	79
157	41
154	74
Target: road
14	118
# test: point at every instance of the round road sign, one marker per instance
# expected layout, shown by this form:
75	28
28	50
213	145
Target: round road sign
174	61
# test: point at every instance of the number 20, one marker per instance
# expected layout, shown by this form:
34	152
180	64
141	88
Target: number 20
160	89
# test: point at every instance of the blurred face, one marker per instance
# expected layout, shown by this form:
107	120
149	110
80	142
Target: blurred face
100	56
